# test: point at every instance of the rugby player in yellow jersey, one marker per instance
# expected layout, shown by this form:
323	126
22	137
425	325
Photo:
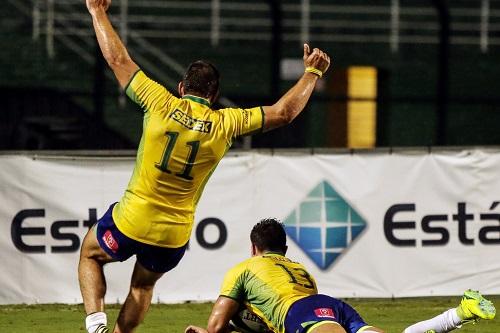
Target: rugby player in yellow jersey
183	140
284	295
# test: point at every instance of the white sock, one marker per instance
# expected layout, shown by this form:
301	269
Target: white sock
445	322
95	319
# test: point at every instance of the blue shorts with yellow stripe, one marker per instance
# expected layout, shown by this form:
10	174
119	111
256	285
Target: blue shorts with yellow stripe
315	309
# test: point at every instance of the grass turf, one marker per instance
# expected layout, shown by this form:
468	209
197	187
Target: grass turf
391	315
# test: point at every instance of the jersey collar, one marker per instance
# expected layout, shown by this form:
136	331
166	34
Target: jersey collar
275	253
197	99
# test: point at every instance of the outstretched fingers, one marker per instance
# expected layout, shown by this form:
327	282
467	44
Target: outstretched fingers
194	329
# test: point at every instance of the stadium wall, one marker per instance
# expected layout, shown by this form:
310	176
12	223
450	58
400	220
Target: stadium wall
366	224
407	102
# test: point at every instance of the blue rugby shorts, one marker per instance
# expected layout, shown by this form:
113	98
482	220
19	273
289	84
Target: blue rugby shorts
317	308
120	247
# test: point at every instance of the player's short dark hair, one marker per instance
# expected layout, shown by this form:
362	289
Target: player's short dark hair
269	235
201	79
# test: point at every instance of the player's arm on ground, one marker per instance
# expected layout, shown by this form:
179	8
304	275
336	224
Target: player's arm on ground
289	106
218	322
112	47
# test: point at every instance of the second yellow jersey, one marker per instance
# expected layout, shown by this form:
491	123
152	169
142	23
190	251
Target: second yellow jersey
269	285
183	140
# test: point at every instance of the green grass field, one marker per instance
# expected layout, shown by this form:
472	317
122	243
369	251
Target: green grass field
391	315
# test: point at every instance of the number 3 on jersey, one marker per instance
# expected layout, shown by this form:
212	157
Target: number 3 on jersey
298	276
193	147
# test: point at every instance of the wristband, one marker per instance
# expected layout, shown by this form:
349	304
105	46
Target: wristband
314	71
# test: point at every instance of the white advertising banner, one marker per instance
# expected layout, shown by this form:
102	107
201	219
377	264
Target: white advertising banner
365	225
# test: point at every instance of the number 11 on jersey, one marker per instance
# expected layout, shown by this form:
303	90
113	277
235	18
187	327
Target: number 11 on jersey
193	147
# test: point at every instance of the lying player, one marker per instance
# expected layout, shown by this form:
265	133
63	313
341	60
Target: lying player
285	296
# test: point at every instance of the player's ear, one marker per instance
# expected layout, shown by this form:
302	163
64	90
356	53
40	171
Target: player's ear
180	89
253	250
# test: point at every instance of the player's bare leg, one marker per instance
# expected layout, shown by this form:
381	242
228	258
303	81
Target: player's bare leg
138	300
327	328
331	327
91	275
373	330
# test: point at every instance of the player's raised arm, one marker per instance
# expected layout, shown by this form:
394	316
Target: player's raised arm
288	107
111	46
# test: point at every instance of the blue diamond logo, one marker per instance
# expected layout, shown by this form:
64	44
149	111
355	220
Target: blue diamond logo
324	225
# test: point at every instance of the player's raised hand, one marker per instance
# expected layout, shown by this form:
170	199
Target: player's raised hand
93	5
316	59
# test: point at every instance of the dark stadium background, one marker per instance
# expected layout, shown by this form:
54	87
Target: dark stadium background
437	83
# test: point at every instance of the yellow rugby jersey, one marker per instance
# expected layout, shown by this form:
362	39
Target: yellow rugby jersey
182	142
269	285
